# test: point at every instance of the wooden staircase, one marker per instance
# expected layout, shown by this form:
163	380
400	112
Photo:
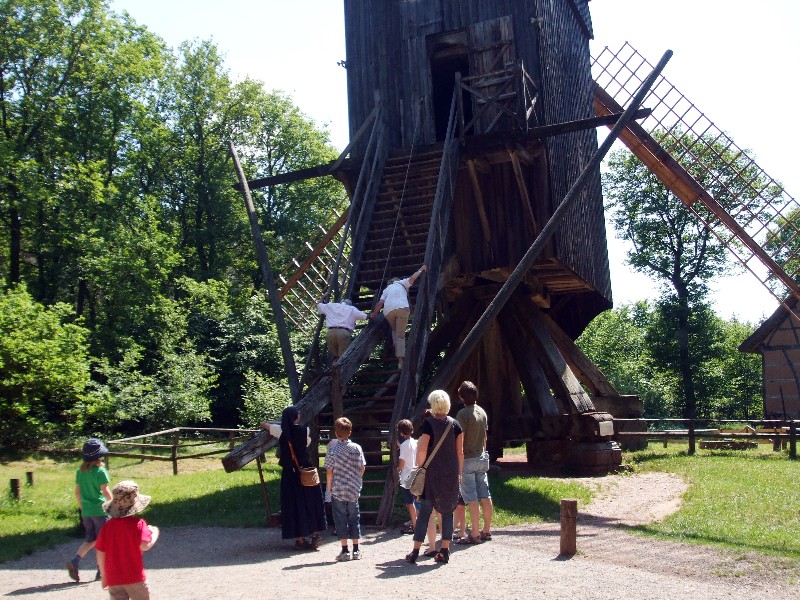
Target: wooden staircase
398	233
405	231
395	245
368	402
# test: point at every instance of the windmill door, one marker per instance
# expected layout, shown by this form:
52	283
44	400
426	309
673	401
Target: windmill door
491	81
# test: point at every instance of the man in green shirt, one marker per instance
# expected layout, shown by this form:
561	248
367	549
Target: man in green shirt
474	481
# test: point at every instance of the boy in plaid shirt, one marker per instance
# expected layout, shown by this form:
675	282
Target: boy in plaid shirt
345	466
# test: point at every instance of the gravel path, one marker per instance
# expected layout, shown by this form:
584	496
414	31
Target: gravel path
520	561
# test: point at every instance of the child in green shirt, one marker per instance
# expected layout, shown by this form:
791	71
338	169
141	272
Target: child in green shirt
91	490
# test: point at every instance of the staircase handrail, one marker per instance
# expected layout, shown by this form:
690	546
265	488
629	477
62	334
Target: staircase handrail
368	181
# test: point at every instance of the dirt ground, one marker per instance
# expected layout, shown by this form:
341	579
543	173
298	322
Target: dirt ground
521	561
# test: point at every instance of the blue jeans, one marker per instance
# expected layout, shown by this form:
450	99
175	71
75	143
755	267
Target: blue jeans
474	482
424	515
347	518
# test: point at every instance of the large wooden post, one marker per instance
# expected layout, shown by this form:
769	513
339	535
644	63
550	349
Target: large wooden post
269	279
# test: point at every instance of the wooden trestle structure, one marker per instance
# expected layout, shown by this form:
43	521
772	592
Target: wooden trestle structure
468	157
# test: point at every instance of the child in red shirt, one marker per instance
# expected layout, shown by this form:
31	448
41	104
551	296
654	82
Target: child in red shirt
121	542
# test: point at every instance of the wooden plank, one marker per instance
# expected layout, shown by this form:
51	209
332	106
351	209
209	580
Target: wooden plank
566	382
540	398
479	204
523	191
586	371
269	280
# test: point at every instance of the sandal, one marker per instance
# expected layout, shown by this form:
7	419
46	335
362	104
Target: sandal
443	556
407	529
412	556
314	545
486	536
303	544
470	540
431	553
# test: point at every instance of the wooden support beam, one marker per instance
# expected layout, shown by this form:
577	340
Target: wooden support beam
608	119
534	381
269	280
523	191
563	380
479	204
585	370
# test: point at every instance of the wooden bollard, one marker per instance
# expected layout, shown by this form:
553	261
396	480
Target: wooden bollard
29	478
15	489
569	517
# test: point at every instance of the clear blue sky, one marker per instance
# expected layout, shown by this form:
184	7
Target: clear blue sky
736	60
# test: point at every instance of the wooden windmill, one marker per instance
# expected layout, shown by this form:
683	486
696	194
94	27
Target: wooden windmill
470	122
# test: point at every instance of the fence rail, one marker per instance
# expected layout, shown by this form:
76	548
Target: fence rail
179	439
781	433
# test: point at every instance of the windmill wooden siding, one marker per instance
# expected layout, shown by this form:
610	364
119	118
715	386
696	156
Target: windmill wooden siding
777	340
391	49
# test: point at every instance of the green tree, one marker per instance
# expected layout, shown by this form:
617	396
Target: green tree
615	342
635	348
168	386
44	369
671	245
291	214
783	244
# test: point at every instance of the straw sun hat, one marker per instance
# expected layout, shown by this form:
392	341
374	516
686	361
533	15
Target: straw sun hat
126	500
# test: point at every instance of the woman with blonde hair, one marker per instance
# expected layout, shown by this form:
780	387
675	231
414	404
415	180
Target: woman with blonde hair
443	474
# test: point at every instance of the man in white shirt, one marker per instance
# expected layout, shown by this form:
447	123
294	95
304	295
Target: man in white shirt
396	309
340	318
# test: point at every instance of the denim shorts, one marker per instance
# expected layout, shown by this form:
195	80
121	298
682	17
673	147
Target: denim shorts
474	481
406	495
92	527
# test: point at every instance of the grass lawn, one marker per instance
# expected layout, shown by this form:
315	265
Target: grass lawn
748	500
204	495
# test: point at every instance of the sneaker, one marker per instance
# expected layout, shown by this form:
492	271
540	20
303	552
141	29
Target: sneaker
356	554
72	568
343	556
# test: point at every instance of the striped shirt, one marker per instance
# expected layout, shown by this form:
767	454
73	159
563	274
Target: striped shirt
346	459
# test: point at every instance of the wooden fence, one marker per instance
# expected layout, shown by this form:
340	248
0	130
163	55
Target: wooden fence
172	441
781	434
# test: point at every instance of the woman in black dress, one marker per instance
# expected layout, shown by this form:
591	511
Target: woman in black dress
443	475
302	508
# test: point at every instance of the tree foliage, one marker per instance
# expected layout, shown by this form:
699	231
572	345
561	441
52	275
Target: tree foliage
674	247
116	200
635	347
44	368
